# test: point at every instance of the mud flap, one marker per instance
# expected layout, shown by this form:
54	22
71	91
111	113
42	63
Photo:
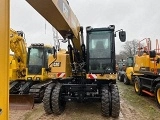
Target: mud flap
21	102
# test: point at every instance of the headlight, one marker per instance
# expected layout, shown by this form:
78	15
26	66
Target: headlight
38	78
29	78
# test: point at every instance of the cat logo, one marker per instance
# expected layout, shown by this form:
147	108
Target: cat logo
56	64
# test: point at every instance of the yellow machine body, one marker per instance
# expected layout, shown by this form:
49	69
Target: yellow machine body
12	68
18	61
145	64
4	61
17	70
42	77
147	70
129	72
60	68
34	78
65	18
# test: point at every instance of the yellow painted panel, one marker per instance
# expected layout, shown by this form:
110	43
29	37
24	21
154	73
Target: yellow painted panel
4	59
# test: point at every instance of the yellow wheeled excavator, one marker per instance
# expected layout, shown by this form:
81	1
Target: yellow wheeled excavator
27	73
147	70
84	72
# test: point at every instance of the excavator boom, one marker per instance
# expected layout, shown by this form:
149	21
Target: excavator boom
62	17
18	71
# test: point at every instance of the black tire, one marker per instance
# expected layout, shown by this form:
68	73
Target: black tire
115	101
41	95
120	78
126	80
117	76
157	94
47	105
105	102
58	103
138	86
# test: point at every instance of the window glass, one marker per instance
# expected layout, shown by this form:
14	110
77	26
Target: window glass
100	44
36	56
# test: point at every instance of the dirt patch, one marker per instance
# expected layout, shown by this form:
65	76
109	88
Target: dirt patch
133	107
76	111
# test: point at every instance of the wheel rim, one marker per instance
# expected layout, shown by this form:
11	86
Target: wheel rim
136	86
119	77
125	79
158	95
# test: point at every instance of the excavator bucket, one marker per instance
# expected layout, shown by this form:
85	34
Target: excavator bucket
21	102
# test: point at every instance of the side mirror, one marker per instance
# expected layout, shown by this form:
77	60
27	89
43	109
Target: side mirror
122	36
152	53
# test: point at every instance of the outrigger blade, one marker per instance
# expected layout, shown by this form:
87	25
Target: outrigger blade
21	102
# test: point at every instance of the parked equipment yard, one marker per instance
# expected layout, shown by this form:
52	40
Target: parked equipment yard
132	107
80	82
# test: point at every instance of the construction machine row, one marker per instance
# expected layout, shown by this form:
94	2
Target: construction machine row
142	70
84	72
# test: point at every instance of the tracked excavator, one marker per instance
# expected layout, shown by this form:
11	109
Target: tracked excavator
84	72
147	70
27	73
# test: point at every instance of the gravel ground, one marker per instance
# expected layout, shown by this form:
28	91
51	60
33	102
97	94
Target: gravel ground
130	109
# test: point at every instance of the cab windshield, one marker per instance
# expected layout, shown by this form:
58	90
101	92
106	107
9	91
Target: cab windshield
99	45
100	52
36	56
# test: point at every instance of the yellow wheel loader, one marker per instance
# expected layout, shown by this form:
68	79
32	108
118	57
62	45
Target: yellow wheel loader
27	73
125	71
84	72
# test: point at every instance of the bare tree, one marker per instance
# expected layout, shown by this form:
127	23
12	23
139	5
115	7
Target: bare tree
129	49
120	57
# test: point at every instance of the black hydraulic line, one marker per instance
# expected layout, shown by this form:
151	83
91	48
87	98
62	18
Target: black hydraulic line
70	49
83	45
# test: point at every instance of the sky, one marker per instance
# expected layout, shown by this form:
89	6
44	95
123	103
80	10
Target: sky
139	18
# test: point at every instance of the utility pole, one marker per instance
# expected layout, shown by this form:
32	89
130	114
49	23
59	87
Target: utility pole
4	58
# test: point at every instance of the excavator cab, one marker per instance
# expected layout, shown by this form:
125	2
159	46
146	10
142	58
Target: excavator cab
101	52
101	49
29	89
37	61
